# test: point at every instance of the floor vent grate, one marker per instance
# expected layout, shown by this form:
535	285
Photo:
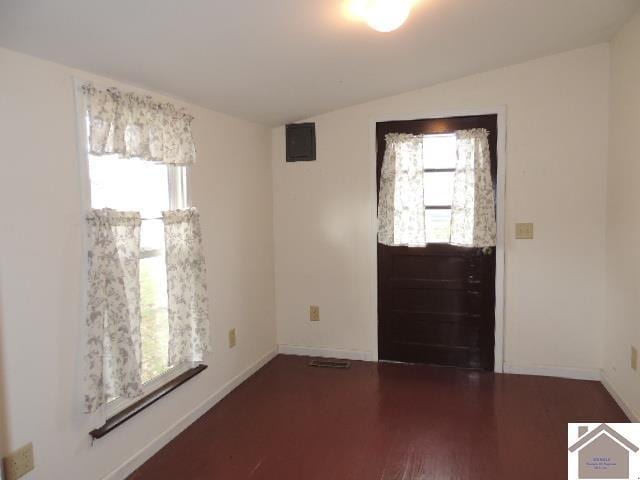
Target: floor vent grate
330	363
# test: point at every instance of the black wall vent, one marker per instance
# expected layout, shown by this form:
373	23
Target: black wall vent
301	142
330	363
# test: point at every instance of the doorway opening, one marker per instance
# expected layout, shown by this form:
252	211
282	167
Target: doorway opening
436	302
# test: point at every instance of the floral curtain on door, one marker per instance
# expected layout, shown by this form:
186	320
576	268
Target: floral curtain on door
401	199
473	214
113	355
401	207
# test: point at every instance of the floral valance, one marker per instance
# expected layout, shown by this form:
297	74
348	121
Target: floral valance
134	126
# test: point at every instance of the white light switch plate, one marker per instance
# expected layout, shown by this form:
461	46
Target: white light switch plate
232	338
524	231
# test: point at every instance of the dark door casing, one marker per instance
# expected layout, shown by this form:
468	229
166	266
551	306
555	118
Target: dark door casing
436	304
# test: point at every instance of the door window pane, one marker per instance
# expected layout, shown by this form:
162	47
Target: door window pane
438	225
438	188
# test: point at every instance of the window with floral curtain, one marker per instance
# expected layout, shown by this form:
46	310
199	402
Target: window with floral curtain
148	312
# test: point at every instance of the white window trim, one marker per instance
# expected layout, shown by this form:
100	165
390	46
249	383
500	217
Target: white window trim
116	405
178	180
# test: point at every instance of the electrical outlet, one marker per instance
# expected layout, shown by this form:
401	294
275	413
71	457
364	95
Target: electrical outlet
232	338
634	358
524	231
314	313
19	463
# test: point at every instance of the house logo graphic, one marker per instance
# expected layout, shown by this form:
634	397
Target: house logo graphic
600	451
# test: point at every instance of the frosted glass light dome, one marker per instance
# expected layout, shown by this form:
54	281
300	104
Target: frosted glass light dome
386	15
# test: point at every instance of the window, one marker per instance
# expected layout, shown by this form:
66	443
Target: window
439	157
150	188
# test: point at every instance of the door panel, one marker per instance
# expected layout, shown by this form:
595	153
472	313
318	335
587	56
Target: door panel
436	304
428	266
428	298
462	332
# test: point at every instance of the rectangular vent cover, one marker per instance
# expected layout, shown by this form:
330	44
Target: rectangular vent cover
330	363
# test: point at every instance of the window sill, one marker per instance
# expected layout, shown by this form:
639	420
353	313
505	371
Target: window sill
132	410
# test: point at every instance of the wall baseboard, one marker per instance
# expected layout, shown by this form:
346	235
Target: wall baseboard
130	465
551	371
326	352
608	384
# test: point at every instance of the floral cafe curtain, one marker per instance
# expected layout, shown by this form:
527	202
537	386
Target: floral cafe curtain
113	356
186	286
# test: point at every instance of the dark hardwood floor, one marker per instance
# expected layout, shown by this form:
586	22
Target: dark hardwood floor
384	421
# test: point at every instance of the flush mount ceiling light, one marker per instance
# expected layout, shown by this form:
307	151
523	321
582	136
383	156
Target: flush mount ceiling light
382	15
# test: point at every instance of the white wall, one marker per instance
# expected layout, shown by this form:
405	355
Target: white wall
42	269
557	121
623	217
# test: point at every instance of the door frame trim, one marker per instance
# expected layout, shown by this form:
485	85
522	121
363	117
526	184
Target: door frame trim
501	112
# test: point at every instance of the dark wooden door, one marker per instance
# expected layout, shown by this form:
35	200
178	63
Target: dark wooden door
436	304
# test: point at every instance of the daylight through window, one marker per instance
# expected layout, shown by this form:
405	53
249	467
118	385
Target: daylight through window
137	185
